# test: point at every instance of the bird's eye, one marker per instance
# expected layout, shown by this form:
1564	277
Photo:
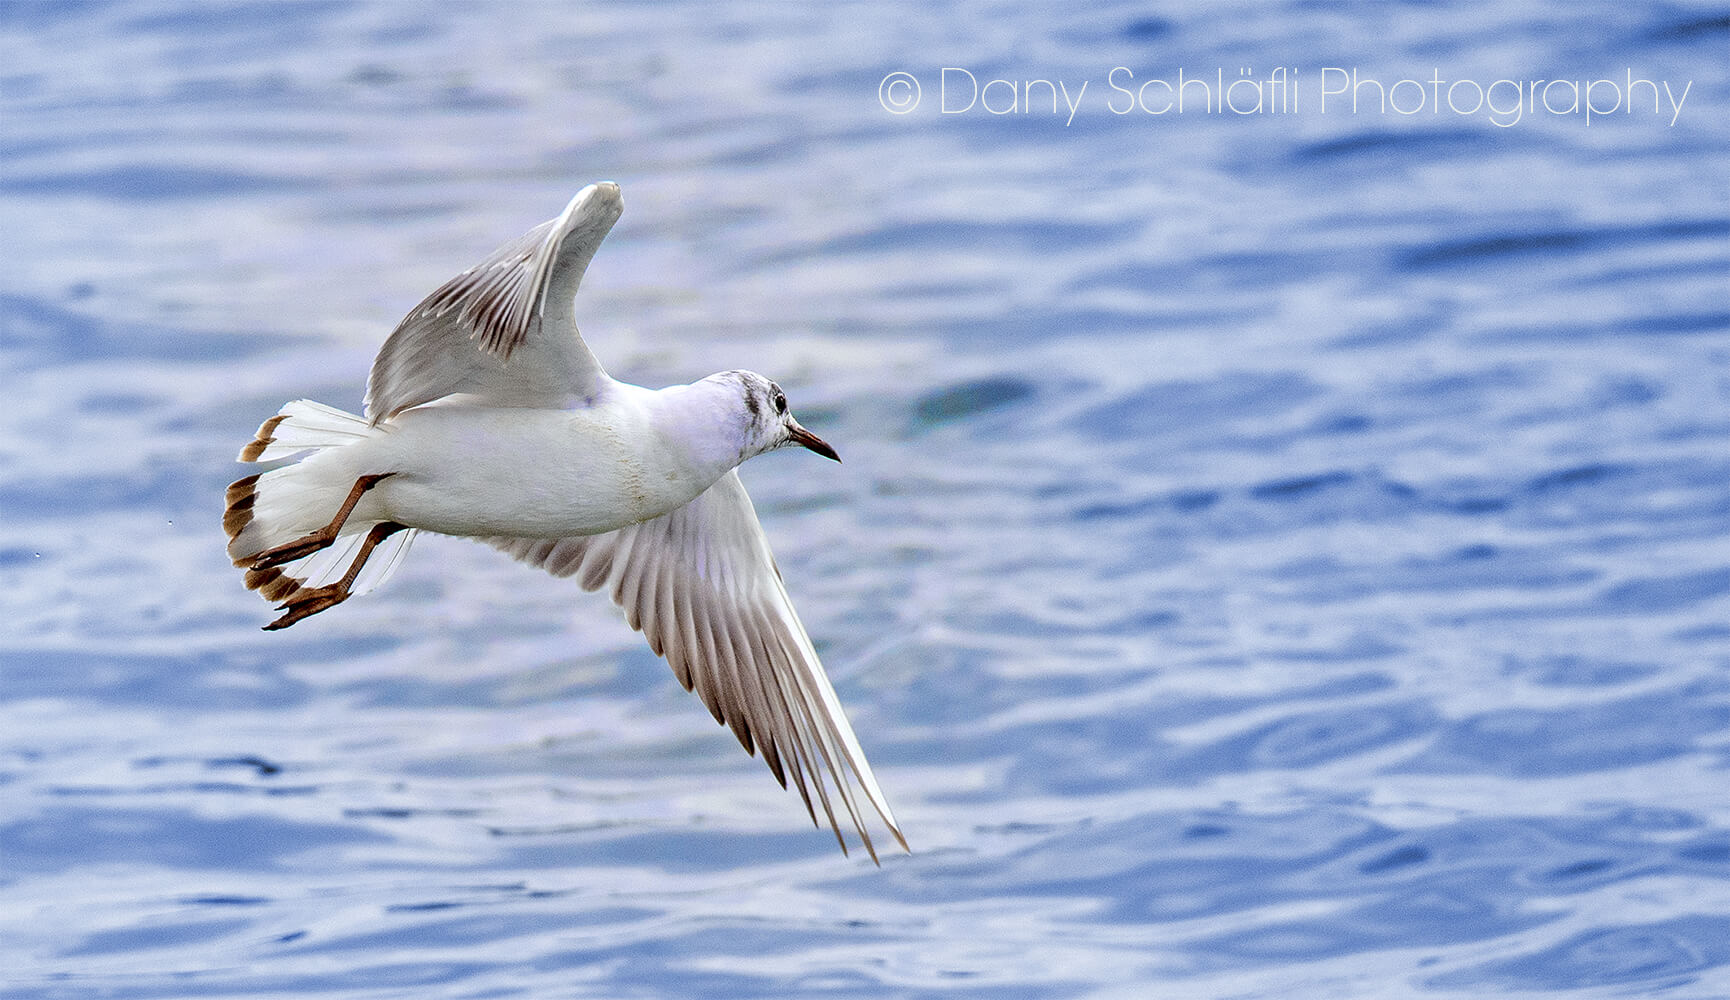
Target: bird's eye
780	402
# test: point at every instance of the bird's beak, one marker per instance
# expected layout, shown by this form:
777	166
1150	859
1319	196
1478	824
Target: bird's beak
799	435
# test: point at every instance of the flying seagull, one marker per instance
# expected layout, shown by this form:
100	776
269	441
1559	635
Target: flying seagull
488	417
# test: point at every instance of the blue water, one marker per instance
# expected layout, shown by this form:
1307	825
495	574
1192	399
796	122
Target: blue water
1278	554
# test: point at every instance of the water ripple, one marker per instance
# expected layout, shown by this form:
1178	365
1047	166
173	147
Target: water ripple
1277	555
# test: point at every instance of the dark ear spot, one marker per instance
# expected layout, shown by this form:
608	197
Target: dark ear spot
751	401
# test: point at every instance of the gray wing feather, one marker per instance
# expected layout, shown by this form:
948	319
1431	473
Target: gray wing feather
702	586
488	332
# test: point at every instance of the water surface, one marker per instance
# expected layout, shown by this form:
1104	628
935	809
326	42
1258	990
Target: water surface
1277	554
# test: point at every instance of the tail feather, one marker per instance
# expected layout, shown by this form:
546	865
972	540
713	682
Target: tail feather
281	505
303	425
241	495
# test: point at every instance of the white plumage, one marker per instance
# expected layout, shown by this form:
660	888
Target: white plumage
488	417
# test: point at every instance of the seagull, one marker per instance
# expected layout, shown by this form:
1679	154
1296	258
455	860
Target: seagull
487	417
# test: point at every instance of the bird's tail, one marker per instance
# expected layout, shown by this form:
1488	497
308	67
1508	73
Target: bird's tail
289	503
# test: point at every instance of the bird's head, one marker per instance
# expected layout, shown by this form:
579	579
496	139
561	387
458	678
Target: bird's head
763	413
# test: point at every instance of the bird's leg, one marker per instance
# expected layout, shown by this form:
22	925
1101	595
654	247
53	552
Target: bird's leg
307	545
310	601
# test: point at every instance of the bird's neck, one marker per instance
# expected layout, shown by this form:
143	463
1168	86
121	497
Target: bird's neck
700	421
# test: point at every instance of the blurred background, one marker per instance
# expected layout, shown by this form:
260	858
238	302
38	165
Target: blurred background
1279	553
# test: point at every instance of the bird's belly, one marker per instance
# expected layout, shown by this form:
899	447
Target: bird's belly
523	473
529	503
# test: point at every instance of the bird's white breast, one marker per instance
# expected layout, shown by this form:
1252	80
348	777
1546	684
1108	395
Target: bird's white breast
464	470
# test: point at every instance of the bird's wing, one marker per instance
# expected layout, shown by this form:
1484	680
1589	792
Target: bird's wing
502	332
702	586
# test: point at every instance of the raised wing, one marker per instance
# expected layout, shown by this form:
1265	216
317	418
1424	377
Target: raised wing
503	331
702	586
